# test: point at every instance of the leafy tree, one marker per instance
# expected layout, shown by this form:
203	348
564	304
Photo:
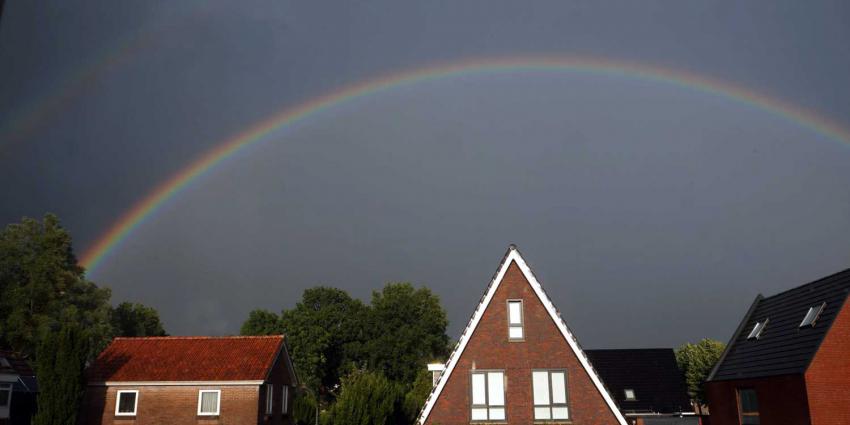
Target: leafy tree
129	319
407	328
262	322
696	361
41	287
415	398
367	398
61	357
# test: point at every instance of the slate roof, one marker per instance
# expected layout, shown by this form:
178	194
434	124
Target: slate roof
242	358
18	365
652	373
783	347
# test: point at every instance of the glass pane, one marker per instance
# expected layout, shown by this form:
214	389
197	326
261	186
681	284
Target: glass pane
284	399
515	312
542	413
209	402
127	403
750	420
4	397
496	389
749	402
515	332
478	388
541	387
479	414
560	413
497	413
559	388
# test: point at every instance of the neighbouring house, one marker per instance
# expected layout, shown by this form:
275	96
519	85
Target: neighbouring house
647	385
789	360
518	363
183	380
18	390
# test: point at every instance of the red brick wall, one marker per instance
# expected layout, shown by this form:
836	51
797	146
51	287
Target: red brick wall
544	348
828	376
782	400
278	377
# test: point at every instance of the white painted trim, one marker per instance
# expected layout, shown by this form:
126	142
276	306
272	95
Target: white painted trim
118	402
513	255
436	367
217	404
171	383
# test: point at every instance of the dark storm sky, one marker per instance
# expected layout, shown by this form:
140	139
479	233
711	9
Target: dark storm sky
652	214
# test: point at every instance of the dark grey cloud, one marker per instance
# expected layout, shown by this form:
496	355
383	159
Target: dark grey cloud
652	214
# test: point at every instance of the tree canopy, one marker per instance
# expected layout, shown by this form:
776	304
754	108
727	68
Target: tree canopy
696	361
134	319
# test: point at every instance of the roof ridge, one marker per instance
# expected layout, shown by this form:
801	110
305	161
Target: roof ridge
807	284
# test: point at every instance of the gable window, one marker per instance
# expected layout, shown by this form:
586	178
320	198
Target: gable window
269	398
515	320
208	402
126	403
488	395
812	315
749	407
550	394
285	397
630	394
758	329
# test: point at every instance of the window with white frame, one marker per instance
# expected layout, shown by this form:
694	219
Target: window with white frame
269	398
550	394
285	399
758	328
488	395
5	395
208	402
630	394
126	402
812	315
515	321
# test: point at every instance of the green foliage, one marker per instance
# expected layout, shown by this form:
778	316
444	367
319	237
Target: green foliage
61	359
367	398
415	398
696	361
129	319
408	329
304	408
42	287
262	322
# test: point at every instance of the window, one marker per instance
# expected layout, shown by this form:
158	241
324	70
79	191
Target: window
488	395
749	407
4	362
630	394
550	394
285	397
269	398
208	402
5	395
126	403
515	322
812	315
758	329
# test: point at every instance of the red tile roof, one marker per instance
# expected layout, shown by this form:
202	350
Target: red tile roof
242	358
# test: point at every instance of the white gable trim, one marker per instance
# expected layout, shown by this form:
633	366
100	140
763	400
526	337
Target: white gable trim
513	255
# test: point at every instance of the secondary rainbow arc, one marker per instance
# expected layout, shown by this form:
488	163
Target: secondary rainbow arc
152	202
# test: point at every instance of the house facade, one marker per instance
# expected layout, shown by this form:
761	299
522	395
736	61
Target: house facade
789	360
188	380
18	389
518	363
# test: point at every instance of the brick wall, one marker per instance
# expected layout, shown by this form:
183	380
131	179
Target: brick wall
782	400
278	377
828	376
543	348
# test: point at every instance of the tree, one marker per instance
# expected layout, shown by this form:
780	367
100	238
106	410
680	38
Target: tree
61	358
129	319
42	287
696	361
262	322
415	398
408	329
367	398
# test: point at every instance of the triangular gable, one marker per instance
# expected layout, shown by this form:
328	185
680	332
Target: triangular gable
513	256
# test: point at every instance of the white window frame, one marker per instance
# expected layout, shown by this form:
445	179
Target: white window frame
520	325
217	404
284	391
118	402
758	329
7	387
487	406
269	399
551	405
815	312
627	392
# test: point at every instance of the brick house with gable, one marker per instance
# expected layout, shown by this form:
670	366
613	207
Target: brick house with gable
789	360
187	380
518	363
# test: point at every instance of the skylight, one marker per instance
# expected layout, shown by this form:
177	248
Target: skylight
812	315
757	329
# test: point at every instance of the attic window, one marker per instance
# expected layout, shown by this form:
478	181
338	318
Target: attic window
812	315
758	329
515	320
630	394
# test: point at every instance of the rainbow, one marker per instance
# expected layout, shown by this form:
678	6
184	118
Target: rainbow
149	205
